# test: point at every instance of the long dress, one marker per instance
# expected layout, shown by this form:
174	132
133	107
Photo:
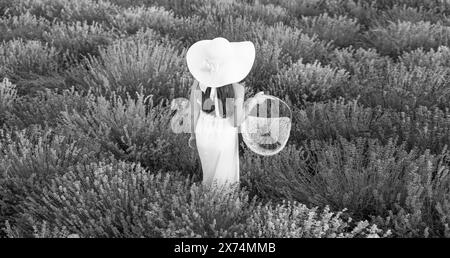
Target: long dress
218	148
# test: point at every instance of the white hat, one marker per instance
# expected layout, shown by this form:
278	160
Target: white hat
218	62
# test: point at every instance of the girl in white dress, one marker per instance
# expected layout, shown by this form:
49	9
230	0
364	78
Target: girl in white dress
216	133
217	105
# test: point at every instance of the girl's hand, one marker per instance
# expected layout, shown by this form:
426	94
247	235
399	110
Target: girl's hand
259	94
254	99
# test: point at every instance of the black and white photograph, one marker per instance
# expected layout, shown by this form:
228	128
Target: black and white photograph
224	126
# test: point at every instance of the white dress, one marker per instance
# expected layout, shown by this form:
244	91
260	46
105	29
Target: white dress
218	148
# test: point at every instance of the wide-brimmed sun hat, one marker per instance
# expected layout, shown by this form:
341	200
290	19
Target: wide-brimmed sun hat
218	62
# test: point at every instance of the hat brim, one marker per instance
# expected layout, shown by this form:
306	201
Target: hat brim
234	69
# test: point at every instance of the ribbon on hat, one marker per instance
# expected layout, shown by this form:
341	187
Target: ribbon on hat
210	66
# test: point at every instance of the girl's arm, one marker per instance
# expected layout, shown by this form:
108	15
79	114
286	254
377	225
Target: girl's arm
239	114
240	107
195	110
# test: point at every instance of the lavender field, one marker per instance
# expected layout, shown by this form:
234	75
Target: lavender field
87	150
